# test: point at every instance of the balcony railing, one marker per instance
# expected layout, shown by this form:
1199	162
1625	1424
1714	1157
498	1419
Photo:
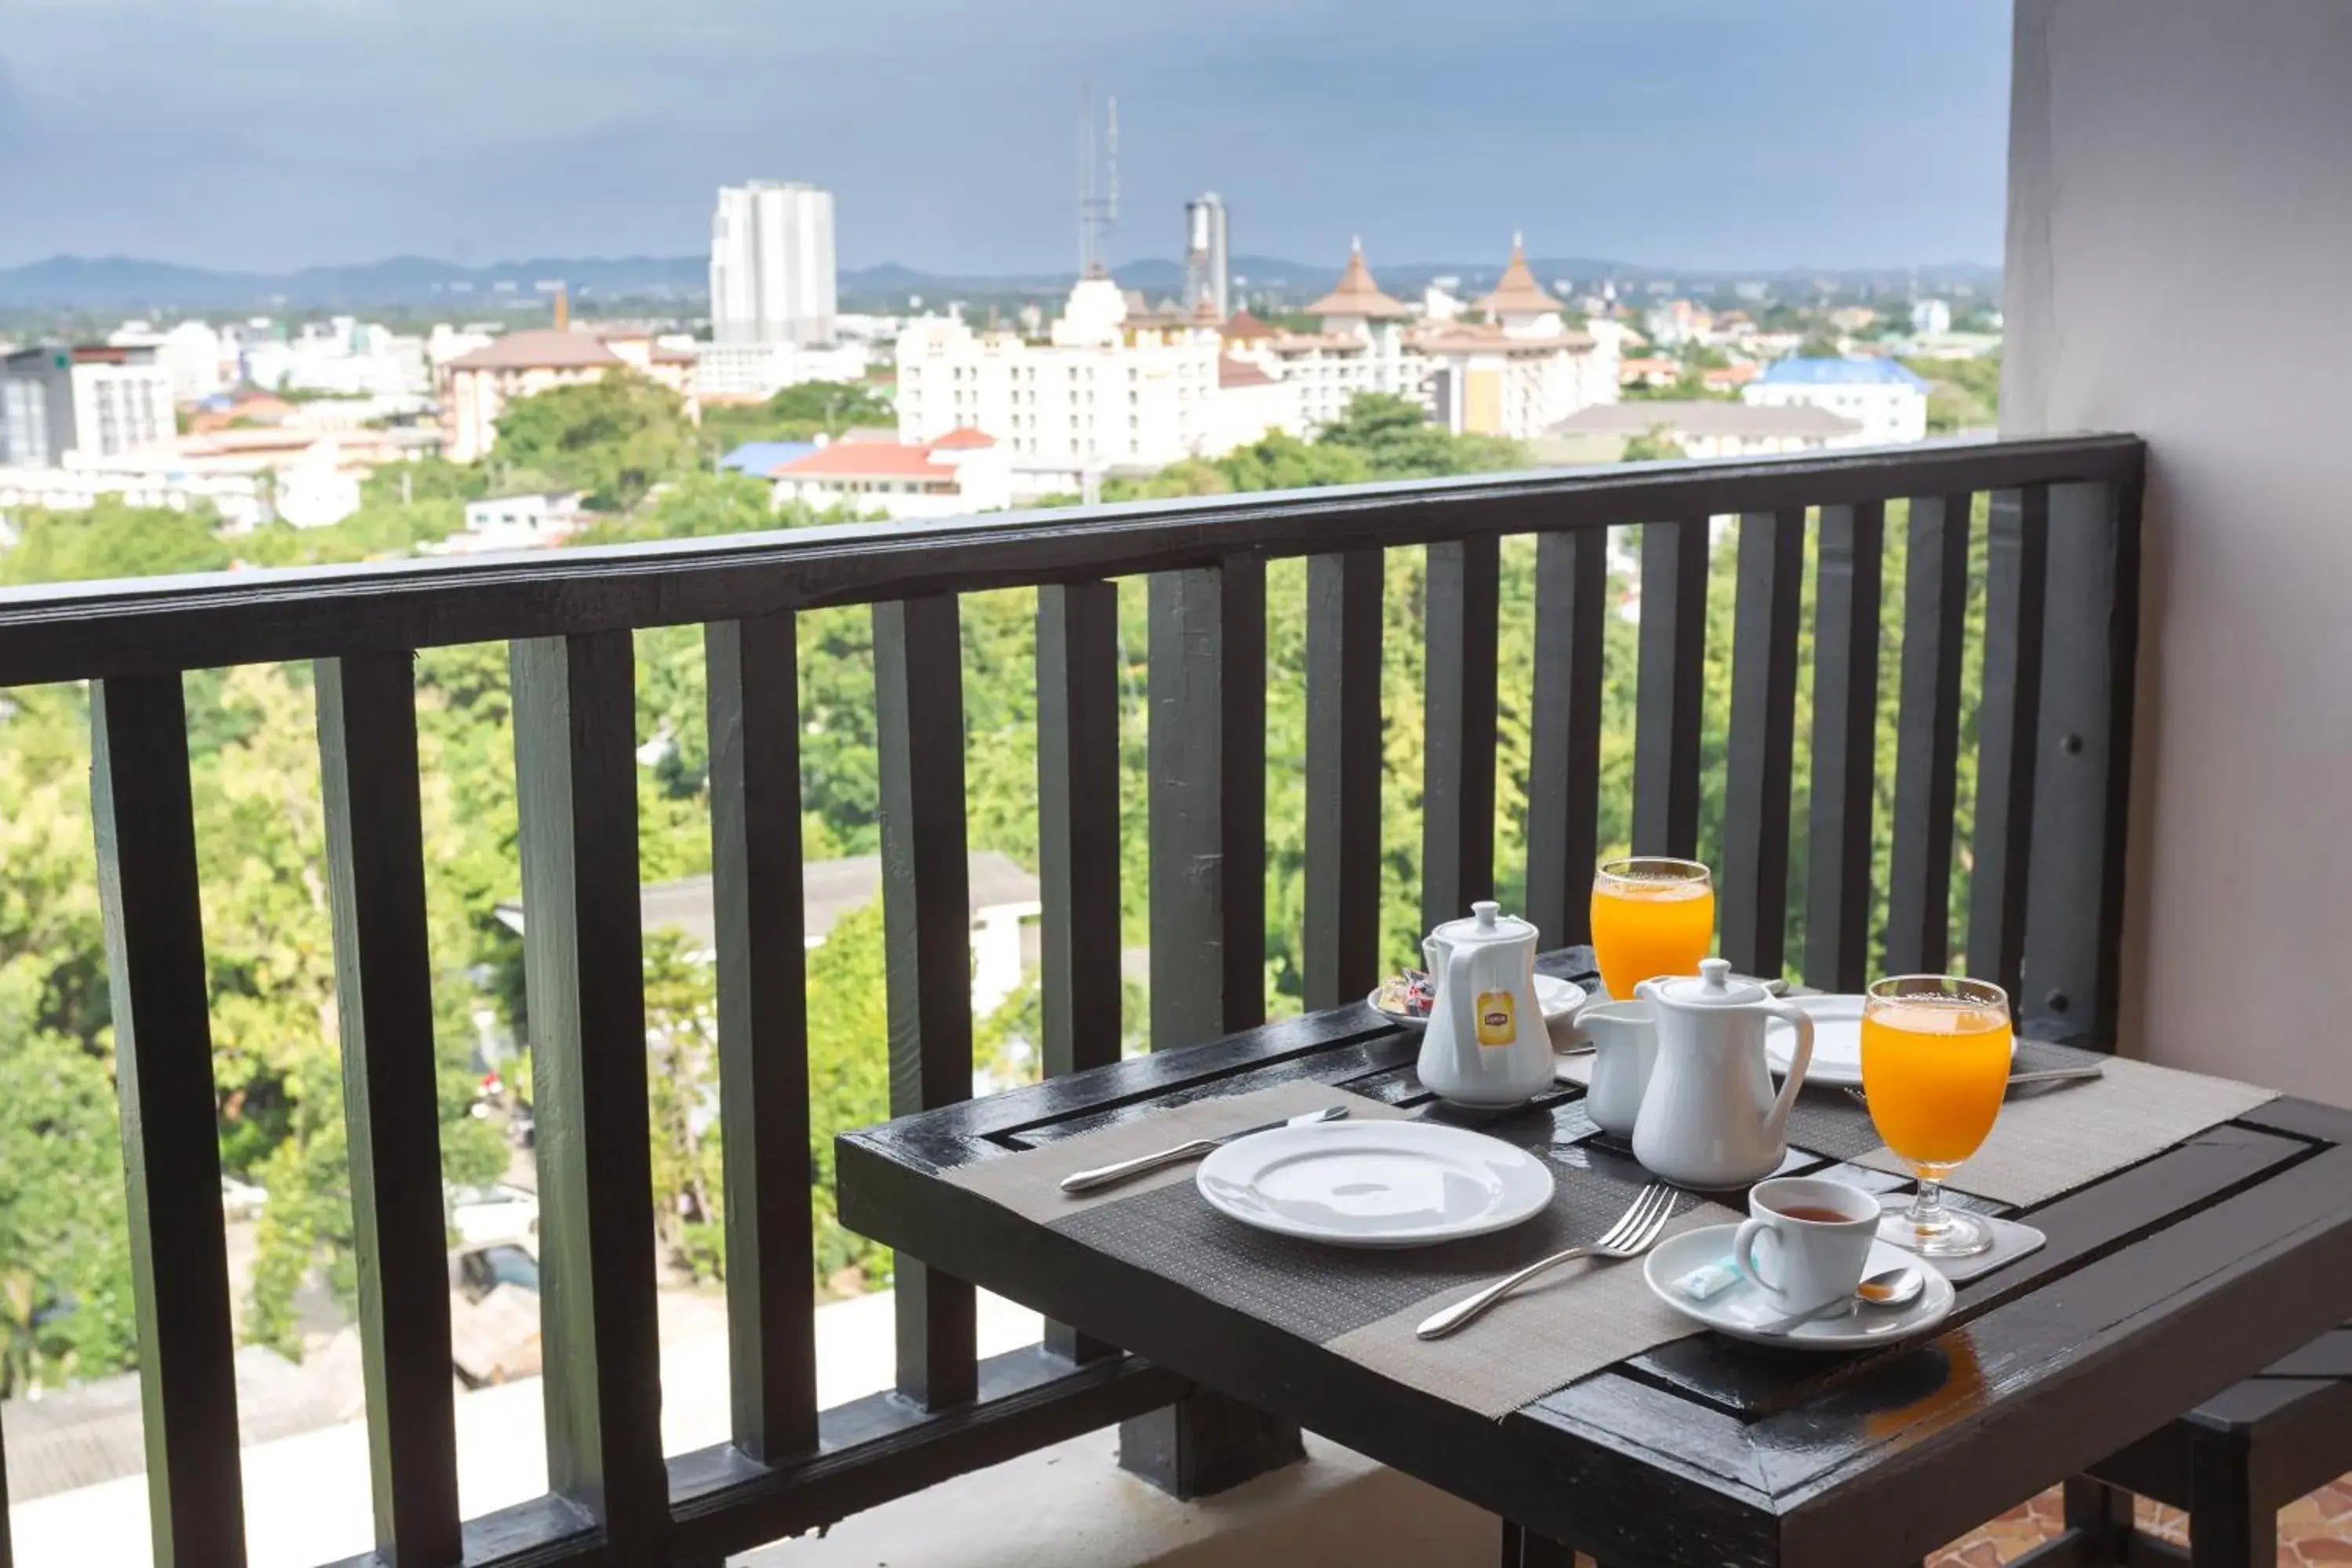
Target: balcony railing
2044	906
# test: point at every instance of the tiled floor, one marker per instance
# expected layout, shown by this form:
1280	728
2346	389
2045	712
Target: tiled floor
2312	1531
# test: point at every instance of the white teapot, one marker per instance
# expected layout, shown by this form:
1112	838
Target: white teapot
1487	1045
1709	1118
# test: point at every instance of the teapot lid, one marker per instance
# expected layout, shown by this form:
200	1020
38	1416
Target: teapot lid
1486	922
1713	986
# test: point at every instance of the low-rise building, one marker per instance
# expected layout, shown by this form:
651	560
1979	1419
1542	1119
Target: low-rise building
760	459
532	519
91	403
1889	401
754	372
965	470
1699	428
477	387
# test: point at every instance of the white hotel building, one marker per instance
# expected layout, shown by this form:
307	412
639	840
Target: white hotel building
1102	394
1094	396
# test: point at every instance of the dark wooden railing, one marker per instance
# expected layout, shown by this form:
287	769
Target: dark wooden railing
2044	907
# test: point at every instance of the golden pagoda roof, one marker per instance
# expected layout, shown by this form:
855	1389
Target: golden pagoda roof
1357	294
1517	292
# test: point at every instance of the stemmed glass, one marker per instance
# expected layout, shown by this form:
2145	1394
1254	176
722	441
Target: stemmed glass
1651	916
1934	1066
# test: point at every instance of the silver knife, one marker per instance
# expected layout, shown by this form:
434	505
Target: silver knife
1110	1175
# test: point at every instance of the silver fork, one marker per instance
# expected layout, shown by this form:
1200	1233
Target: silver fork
1630	1237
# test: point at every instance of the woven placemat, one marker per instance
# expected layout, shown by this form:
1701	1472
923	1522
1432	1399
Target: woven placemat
1363	1303
2052	1143
1030	1182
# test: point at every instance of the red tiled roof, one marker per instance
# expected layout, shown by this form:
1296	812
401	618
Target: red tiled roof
540	348
867	460
965	436
1232	371
1242	325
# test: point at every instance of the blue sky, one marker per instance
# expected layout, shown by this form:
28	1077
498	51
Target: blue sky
1731	134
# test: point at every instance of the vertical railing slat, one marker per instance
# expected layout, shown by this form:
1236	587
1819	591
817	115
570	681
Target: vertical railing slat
1208	801
141	808
927	915
2074	923
1343	776
757	906
1564	740
575	782
2017	545
1077	844
1457	797
1670	683
1848	561
384	993
1927	736
1755	894
1208	928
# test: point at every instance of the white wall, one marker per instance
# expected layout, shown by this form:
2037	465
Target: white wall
2178	169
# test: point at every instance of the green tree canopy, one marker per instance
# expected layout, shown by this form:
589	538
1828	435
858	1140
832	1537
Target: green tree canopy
796	413
613	438
112	539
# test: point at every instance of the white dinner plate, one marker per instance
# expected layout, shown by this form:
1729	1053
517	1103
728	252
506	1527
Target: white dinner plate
1837	1041
1742	1309
1375	1184
1559	1000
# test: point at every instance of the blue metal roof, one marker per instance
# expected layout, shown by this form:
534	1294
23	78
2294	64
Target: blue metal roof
762	459
1839	373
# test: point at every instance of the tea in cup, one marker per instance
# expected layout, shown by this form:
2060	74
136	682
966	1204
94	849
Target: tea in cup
1806	1240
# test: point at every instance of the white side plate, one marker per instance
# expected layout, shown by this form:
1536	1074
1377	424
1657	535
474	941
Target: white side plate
1375	1184
1559	1000
1741	1309
1837	1042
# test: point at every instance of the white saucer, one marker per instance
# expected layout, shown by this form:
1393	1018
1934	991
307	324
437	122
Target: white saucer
1559	999
1837	1041
1740	1310
1375	1184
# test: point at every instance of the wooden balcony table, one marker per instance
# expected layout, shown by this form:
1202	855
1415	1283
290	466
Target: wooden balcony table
2188	1264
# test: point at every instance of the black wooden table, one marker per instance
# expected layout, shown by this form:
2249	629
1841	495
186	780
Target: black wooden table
2161	1285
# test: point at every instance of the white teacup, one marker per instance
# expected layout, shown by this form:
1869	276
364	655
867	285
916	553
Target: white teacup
1816	1235
1624	1050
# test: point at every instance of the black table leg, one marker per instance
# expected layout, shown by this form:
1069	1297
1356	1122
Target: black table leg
2231	1523
1204	1443
1526	1549
2100	1517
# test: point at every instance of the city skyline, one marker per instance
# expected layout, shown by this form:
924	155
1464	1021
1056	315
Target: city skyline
276	135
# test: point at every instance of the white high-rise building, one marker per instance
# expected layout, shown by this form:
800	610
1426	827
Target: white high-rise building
1206	274
772	264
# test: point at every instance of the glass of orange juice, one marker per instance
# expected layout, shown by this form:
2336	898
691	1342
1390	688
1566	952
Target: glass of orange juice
1651	916
1934	1066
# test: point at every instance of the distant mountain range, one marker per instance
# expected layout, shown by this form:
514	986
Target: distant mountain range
108	283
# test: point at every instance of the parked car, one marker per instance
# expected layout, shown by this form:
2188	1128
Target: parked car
494	1213
477	1271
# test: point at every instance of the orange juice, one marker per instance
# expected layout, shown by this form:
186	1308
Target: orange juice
1935	1073
1645	928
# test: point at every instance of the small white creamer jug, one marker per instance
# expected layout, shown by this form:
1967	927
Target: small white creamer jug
1708	1117
1487	1045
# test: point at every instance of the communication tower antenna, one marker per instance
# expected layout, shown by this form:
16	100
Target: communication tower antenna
1097	211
